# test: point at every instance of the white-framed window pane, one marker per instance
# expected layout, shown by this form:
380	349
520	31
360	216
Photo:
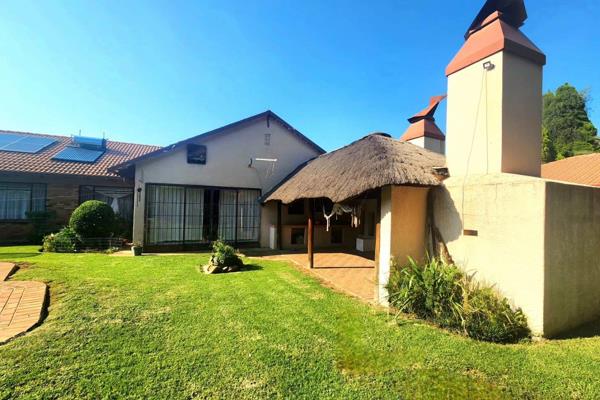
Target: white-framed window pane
17	199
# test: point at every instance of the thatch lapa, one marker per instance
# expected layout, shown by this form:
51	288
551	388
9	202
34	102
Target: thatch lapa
375	161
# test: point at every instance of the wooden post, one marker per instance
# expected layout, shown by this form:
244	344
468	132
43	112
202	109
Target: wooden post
311	240
279	212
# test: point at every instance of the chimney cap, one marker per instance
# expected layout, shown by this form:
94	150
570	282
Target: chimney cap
428	112
512	12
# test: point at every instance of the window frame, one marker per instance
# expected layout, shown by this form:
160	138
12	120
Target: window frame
93	192
31	201
193	147
211	206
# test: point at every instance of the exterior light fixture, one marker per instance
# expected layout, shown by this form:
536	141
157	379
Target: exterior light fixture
488	66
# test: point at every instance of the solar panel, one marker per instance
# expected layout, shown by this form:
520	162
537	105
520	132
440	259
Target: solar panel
24	143
78	154
89	142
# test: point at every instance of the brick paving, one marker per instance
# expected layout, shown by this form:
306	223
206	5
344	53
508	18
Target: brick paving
22	304
346	271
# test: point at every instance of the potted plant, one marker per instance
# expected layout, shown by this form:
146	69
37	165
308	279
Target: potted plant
136	249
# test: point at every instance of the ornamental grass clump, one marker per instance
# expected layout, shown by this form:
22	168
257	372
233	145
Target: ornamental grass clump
442	293
223	259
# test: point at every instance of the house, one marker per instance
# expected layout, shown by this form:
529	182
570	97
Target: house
55	173
582	170
535	240
207	187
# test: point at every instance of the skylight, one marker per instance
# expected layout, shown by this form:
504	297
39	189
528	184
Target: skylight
24	143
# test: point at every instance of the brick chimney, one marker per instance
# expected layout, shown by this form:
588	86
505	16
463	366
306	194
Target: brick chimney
494	113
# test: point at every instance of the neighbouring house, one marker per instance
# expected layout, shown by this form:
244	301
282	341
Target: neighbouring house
54	174
582	170
207	187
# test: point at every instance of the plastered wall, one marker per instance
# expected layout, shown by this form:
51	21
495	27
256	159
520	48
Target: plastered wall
538	242
494	117
228	157
402	229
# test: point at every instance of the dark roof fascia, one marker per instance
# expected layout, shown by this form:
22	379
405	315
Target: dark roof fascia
203	136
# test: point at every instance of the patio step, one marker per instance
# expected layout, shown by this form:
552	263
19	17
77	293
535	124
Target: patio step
6	270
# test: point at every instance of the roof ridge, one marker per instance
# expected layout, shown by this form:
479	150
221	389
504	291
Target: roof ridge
6	131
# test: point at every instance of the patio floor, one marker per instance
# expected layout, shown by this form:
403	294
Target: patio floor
349	272
22	304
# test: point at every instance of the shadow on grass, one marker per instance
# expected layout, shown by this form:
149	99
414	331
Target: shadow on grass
250	267
245	268
7	256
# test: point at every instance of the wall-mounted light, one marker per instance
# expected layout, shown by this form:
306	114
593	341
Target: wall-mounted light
488	66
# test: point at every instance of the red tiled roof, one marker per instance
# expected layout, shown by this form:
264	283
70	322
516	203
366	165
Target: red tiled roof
424	127
493	36
584	170
41	162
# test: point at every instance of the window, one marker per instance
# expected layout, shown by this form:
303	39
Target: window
296	207
17	199
193	214
297	236
119	198
337	235
196	154
267	139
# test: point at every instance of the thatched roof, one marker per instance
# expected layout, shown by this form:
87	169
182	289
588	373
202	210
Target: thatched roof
372	162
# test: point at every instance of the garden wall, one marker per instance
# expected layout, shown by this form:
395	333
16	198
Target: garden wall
537	241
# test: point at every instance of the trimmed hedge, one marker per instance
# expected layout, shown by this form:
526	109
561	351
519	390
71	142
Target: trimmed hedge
93	219
443	294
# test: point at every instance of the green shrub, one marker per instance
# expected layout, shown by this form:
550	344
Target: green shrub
93	219
443	294
490	317
433	291
64	241
223	258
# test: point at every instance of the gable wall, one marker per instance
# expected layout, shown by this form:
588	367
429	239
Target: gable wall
228	156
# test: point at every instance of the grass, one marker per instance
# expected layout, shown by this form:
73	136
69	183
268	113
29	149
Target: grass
154	327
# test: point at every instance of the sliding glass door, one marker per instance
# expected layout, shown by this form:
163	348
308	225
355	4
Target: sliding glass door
198	215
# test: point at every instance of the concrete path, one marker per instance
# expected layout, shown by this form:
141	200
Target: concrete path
22	304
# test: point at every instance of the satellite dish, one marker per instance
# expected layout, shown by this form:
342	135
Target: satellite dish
513	13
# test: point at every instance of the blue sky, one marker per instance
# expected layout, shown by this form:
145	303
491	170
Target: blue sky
158	72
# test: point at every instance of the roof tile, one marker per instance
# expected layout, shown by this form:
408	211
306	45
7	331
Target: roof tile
584	170
41	162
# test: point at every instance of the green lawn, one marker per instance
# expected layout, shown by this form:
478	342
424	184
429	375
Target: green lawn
154	327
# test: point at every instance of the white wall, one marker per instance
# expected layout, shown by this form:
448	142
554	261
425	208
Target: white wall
439	146
228	156
494	117
507	211
537	241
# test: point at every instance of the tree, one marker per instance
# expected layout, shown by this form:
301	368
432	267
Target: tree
566	127
548	150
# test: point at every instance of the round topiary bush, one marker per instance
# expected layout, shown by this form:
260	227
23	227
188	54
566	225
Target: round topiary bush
93	219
